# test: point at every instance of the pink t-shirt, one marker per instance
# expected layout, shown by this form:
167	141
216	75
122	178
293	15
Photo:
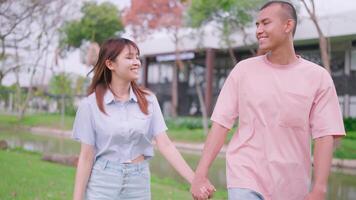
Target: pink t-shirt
280	108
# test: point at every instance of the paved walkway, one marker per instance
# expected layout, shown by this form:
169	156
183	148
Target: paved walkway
194	148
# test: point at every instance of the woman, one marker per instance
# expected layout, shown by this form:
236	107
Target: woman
116	124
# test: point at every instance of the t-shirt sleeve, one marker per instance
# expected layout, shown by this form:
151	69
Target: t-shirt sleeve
227	105
157	124
325	117
83	127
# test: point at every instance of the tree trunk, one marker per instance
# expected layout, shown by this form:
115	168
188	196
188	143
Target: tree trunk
178	65
199	90
323	43
24	105
324	50
61	159
1	77
174	91
232	55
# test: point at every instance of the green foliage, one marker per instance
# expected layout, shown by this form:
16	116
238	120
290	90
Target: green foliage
61	84
229	15
185	123
99	22
350	127
81	84
5	92
347	147
350	124
237	13
351	135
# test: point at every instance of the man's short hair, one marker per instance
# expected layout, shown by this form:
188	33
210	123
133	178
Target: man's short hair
288	7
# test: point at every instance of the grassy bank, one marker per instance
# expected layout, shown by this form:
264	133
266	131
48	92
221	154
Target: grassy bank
346	150
25	176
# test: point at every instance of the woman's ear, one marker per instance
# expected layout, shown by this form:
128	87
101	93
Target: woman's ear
109	65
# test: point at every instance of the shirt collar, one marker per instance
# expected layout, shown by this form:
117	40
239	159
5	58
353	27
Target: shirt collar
109	96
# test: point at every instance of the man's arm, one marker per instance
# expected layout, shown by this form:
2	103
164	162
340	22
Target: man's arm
323	153
213	144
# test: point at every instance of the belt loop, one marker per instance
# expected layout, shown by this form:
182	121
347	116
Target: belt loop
105	164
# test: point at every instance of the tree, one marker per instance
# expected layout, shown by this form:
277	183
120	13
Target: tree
60	85
198	82
145	17
323	43
14	17
27	33
99	22
228	15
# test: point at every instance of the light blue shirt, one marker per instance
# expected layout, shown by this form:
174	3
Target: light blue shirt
124	133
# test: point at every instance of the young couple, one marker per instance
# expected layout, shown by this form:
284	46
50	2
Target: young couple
279	99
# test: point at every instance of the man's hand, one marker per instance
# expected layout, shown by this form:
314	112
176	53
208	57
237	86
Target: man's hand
201	188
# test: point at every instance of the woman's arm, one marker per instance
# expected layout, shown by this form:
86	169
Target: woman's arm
170	152
85	164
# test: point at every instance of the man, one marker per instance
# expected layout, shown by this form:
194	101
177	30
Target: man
281	101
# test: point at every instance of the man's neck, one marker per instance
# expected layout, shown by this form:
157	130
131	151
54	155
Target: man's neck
282	56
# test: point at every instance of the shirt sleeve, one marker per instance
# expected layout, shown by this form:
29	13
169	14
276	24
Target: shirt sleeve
325	117
227	106
83	129
157	124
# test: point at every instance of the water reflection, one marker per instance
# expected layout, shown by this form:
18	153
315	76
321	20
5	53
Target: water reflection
43	144
342	183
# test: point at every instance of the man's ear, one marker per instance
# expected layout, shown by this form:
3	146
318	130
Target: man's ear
108	64
289	26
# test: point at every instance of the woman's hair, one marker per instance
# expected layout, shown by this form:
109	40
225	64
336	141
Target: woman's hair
109	50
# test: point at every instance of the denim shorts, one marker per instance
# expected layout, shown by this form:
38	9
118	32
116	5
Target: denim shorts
243	194
114	181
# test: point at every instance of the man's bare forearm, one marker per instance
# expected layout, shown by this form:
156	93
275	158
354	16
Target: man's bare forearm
213	144
323	153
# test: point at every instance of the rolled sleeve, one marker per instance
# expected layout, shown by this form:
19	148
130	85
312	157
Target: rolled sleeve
83	129
325	117
157	124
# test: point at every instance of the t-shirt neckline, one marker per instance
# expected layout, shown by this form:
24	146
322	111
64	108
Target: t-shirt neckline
279	66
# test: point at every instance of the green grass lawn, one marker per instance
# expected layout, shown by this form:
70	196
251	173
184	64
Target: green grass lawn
25	176
347	148
47	120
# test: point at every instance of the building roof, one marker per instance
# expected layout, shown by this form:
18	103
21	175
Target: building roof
336	19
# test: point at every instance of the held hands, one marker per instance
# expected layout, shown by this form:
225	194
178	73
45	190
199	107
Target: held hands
201	188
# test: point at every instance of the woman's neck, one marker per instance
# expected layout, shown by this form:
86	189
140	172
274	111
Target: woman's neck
120	89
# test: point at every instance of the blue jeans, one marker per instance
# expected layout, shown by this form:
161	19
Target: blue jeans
243	194
115	181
